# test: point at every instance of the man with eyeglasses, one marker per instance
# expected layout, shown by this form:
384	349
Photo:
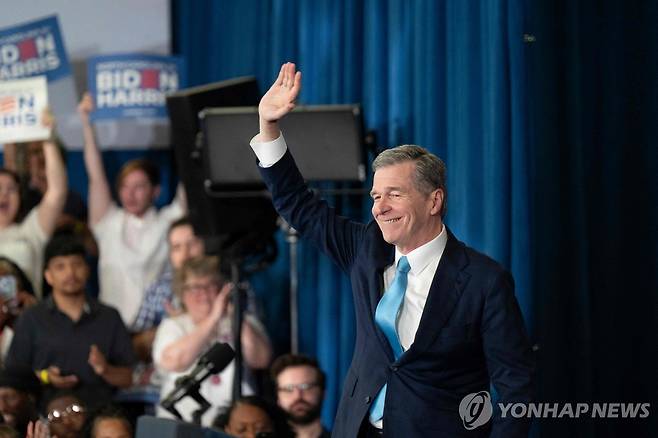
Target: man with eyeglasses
300	385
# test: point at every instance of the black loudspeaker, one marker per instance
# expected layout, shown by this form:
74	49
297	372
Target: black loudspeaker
225	217
149	427
326	141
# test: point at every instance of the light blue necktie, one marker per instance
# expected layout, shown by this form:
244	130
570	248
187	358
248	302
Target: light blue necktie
386	316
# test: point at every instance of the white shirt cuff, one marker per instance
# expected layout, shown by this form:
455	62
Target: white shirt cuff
269	152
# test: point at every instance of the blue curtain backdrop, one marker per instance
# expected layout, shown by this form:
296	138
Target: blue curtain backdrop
445	75
594	145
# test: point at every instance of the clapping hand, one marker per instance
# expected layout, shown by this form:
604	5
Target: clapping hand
97	360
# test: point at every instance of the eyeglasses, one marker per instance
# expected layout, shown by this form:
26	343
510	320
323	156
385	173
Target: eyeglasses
200	287
55	416
290	388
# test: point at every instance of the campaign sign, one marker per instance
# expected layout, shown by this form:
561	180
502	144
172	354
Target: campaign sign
129	86
22	102
33	49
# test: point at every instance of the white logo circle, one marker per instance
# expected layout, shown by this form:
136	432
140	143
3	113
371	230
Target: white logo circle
475	409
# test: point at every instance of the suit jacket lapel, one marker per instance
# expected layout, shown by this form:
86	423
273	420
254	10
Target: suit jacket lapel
447	285
384	256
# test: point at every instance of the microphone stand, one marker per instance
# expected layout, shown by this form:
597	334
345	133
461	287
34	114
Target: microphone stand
203	403
237	330
292	237
194	392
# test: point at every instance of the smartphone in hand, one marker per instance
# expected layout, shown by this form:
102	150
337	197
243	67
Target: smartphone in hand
8	288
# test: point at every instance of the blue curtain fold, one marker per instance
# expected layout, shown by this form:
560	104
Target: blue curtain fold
447	75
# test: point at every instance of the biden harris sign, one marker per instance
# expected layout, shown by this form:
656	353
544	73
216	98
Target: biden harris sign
133	86
22	102
33	49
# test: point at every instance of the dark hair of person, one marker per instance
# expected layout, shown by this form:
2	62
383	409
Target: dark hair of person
63	244
61	393
277	416
105	412
295	360
20	378
180	222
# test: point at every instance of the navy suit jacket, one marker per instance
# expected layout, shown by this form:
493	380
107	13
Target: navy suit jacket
471	331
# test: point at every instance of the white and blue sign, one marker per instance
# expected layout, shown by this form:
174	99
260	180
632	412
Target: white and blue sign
129	86
33	49
22	102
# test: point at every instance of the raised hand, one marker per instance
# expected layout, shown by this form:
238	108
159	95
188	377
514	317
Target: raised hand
280	98
48	120
85	107
221	301
38	429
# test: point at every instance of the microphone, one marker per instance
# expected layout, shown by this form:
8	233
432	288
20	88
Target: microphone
211	362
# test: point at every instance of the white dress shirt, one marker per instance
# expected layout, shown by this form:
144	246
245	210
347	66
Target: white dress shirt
423	262
133	252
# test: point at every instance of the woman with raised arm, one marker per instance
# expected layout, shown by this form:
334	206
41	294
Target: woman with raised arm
23	241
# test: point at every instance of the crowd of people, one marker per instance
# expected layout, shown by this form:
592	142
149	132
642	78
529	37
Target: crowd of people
437	322
69	347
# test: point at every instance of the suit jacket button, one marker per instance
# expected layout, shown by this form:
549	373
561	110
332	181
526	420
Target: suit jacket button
367	399
394	368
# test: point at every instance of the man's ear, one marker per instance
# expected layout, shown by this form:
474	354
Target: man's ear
437	202
47	275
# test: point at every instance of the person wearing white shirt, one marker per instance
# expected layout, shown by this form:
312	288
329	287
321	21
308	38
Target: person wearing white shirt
22	240
130	238
180	340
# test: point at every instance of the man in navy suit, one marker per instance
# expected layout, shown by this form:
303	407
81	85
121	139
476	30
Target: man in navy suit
437	322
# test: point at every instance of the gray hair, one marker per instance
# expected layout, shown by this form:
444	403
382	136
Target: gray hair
430	170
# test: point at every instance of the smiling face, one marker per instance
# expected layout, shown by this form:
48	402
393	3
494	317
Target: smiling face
136	192
9	200
199	293
407	217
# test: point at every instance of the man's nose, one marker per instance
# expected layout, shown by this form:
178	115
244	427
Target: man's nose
299	394
380	207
